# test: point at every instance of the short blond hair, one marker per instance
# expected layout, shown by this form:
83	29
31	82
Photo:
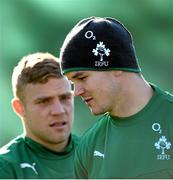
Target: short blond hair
34	68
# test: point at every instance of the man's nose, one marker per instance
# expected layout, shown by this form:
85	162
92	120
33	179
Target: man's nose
78	90
57	108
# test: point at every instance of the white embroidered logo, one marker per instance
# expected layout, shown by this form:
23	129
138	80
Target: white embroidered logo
101	50
89	35
163	144
97	153
157	128
27	165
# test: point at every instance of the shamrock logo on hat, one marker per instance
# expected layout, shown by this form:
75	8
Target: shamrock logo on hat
101	50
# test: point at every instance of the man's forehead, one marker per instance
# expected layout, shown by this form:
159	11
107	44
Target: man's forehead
58	85
75	74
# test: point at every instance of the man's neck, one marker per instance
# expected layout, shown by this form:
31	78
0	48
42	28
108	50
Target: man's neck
135	96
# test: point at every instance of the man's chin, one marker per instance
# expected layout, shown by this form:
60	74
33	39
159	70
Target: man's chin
96	113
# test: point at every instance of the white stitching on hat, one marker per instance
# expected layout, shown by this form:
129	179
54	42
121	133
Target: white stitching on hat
101	50
89	35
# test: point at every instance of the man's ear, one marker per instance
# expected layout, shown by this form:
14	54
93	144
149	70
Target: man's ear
18	107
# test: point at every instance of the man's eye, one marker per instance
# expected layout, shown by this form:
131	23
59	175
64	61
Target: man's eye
66	97
82	78
44	101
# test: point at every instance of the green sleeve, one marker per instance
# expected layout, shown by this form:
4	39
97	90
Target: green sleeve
6	170
80	171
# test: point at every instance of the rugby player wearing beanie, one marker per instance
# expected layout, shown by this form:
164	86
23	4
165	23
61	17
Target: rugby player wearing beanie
133	138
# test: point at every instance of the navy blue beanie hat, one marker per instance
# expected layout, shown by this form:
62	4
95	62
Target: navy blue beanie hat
98	44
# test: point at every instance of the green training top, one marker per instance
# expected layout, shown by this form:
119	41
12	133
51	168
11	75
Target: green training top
139	146
23	158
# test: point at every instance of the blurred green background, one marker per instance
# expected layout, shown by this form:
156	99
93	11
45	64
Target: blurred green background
28	26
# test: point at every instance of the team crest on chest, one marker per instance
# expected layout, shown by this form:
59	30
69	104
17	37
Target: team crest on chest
162	144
